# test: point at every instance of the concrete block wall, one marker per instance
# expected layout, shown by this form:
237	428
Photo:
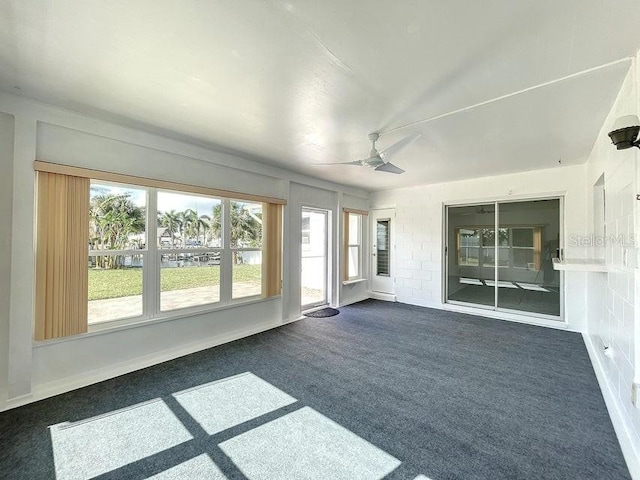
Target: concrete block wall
613	313
419	228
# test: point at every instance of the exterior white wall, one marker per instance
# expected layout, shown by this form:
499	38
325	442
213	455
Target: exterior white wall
613	297
419	229
28	370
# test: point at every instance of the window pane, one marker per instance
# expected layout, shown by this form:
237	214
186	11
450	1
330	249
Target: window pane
383	233
523	237
469	237
247	273
117	217
523	258
354	228
354	261
189	279
246	225
489	257
468	256
115	287
188	221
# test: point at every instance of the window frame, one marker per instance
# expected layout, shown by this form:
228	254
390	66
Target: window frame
152	271
357	245
348	244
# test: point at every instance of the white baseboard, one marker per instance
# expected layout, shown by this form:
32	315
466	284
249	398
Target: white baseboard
624	431
50	389
387	297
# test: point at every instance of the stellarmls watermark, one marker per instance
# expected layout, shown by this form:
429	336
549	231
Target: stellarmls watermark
602	241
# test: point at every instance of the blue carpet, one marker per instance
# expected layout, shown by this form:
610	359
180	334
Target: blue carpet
450	396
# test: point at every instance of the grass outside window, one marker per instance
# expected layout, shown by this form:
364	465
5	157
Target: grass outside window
116	283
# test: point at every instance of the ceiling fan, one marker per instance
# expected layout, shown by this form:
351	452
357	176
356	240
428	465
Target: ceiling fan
379	161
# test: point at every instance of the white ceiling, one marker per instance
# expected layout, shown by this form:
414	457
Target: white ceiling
301	82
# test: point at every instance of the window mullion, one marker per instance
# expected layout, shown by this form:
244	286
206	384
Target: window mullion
151	288
226	267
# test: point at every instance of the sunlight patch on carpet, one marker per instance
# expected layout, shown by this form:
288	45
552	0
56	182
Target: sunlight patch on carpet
306	444
226	403
98	445
199	467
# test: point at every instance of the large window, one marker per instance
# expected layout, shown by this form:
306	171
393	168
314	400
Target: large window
151	248
190	248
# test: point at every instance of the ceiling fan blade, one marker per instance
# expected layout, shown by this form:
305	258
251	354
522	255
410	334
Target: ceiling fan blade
389	152
355	162
389	168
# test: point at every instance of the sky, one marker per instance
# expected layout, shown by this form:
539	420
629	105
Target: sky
167	201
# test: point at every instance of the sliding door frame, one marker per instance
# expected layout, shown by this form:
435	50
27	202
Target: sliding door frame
447	250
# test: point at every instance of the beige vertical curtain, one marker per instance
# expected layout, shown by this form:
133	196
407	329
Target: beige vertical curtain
61	255
272	249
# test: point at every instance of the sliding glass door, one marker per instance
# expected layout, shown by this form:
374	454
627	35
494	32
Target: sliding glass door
499	256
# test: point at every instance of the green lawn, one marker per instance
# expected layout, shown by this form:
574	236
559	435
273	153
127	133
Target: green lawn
125	282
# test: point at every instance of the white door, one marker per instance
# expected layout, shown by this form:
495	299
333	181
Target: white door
383	251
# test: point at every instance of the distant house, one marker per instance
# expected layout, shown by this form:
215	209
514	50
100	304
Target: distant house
164	237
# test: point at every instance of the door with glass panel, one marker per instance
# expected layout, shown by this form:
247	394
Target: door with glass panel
314	261
382	252
500	256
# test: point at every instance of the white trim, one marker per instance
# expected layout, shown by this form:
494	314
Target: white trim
624	431
508	316
355	280
506	199
387	297
50	389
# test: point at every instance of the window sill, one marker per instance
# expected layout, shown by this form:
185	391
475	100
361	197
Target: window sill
143	322
355	280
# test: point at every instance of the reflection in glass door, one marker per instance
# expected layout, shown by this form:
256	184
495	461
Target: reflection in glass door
499	256
527	280
471	263
313	278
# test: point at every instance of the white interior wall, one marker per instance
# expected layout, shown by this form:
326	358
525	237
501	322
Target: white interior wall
613	316
47	133
6	205
419	229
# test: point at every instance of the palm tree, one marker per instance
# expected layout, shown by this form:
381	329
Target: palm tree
190	220
246	228
201	225
172	222
113	219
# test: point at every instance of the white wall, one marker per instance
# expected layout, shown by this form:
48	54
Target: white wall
613	316
47	133
419	229
6	205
